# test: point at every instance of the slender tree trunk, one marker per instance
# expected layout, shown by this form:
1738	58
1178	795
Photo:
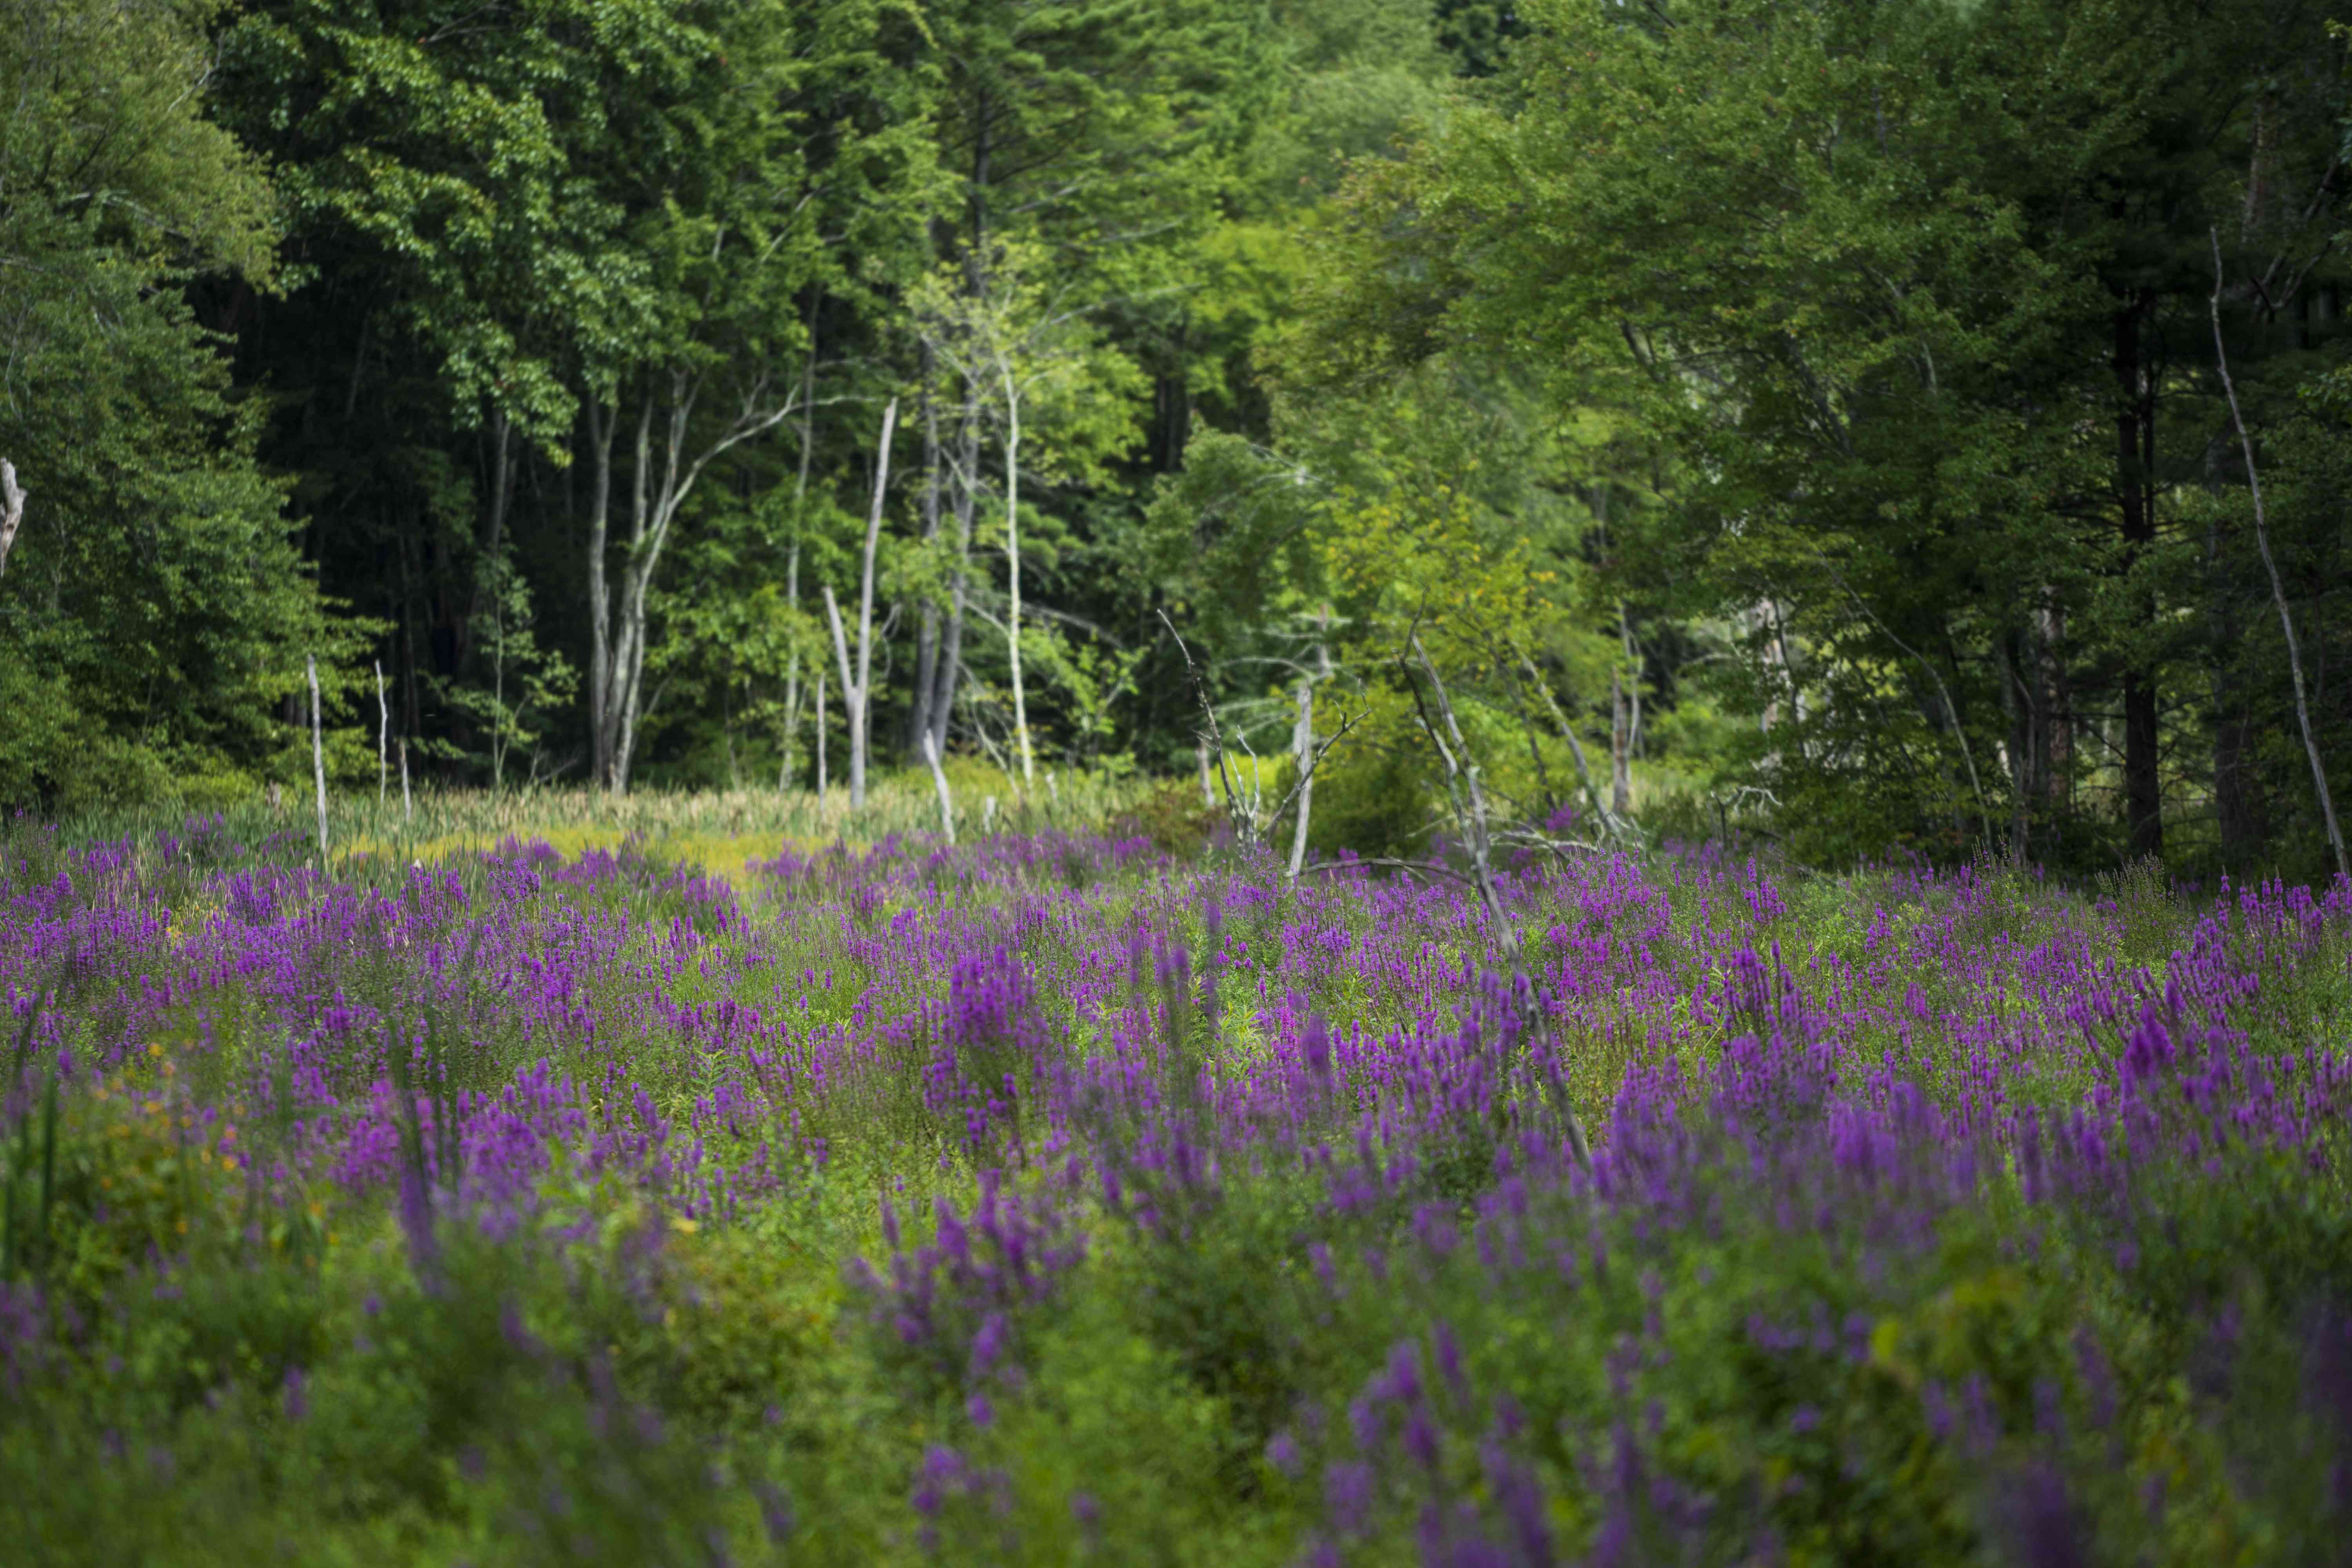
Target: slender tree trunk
12	510
2135	488
820	779
1012	571
1620	734
920	727
628	647
382	736
600	422
857	684
1633	685
951	668
1609	820
494	533
1201	750
1302	746
2278	588
791	667
940	780
318	755
793	558
2018	709
654	500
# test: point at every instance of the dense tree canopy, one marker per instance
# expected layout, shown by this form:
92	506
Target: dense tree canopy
1806	417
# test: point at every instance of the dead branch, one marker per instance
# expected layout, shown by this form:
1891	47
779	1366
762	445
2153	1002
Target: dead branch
1209	709
1470	819
939	778
2278	588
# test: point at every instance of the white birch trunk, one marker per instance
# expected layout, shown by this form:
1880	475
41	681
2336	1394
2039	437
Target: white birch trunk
1012	571
858	685
317	756
382	736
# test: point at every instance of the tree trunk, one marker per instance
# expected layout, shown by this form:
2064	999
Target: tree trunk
951	668
1302	746
857	684
600	422
654	500
382	737
12	510
940	780
1012	571
2058	729
2278	590
637	571
1634	686
821	780
921	728
494	535
1620	734
791	667
2017	706
792	557
318	755
2135	491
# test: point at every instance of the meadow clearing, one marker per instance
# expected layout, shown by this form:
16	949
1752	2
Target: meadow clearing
696	1187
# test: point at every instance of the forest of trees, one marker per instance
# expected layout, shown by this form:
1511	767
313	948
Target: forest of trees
1808	418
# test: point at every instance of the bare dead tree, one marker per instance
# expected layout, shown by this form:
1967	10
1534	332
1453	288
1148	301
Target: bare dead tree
318	755
857	686
666	466
382	737
1302	746
939	779
820	735
1214	739
1468	801
2278	587
1614	826
12	510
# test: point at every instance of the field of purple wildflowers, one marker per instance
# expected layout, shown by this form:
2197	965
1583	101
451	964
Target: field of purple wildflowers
1056	1199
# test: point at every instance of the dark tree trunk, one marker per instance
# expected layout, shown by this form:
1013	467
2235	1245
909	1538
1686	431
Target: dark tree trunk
2136	493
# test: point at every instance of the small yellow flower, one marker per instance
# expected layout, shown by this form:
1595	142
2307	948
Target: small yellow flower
683	1226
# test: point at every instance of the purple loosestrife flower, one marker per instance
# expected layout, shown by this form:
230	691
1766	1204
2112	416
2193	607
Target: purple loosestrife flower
1348	1498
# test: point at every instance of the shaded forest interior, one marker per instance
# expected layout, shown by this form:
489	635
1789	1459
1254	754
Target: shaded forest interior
1807	421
